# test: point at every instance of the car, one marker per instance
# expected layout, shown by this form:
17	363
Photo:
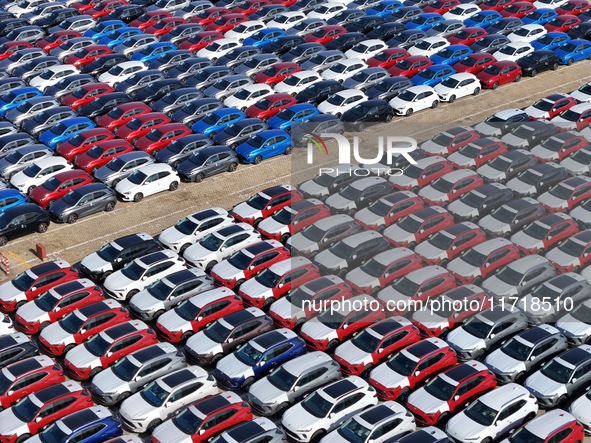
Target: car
21	220
512	216
13	98
68	84
457	86
545	233
100	154
557	424
499	73
218	48
389	209
10	198
122	114
512	401
147	180
574	7
540	16
577	117
121	167
477	153
538	179
582	94
86	94
217	120
15	346
501	122
155	90
550	41
527	33
139	80
467	36
82	142
121	72
575	331
428	46
480	202
149	18
563	23
566	195
549	107
358	194
322	233
17	160
82	201
447	244
453	185
447	142
508	165
569	256
160	137
417	226
573	51
415	98
58	186
9	142
264	145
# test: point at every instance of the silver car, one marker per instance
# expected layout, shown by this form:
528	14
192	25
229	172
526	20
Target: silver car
29	109
134	44
576	325
226	86
291	381
121	167
132	372
359	194
525	351
323	233
20	158
366	78
256	64
507	219
328	183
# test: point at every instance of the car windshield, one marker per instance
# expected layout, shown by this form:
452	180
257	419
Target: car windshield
401	364
25	410
503	214
198	158
583	156
137	177
284	216
561	191
186	226
217	332
331	319
573	248
46	301
125	369
336	99
407	96
350	192
410	224
500	164
468	61
72	198
440	389
268	278
154	394
510	276
160	290
556	371
187	422
97	345
32	170
568	47
406	286
481	413
282	379
536	230
516	349
155	135
240	260
473	199
492	69
442	185
212	242
476	327
374	268
582	312
474	258
187	310
524	435
133	271
441	240
14	157
366	341
313	233
570	115
543	105
450	82
354	431
53	434
211	119
342	249
116	164
317	405
380	208
248	354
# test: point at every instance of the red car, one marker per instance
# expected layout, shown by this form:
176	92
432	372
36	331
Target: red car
122	339
556	426
276	281
227	22
424	172
423	360
474	63
56	339
85	94
563	23
56	303
43	407
200	40
495	5
87	55
441	6
28	376
292	311
140	125
518	9
447	318
547	232
160	137
105	7
478	152
449	243
385	338
449	141
388	57
9	48
164	26
248	262
82	142
499	73
265	204
84	5
101	154
550	106
121	114
58	186
209	15
574	7
326	331
467	36
388	210
269	106
410	66
560	146
467	382
325	34
248	7
30	284
573	254
567	194
149	18
416	227
453	185
56	39
210	416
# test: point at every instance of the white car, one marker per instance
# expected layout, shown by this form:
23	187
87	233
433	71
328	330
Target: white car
142	272
340	102
415	98
513	51
457	86
287	19
121	72
366	49
6	325
149	180
37	173
527	33
493	415
461	12
145	410
549	3
218	48
540	110
193	228
569	119
170	5
245	29
247	96
583	94
327	10
22	7
428	46
344	69
50	76
581	410
135	44
297	82
220	244
327	408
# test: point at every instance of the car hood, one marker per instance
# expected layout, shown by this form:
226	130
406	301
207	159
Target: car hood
493	225
171	236
553	202
170	433
491	173
317	330
362	279
296	418
464	341
80	357
385	376
499	287
272	226
461	160
427	403
116	281
400	235
526	241
367	217
94	263
562	258
430	320
521	187
544	386
571	327
430	252
246	211
11	425
329	260
487	130
32	313
433	148
125	186
500	362
200	344
514	141
462	209
135	407
173	322
8	292
144	301
265	393
54	334
231	367
284	309
227	271
313	189
404	181
352	354
254	289
536	113
462	428
303	244
197	253
108	383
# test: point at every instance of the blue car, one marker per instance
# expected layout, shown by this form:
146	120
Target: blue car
263	37
62	131
573	51
384	8
433	75
451	55
16	96
483	19
550	41
302	112
103	28
119	36
540	16
265	144
91	425
10	198
215	121
152	51
257	357
425	21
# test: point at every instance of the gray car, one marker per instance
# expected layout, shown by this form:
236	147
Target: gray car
324	60
227	85
366	78
528	134
328	183
238	132
323	233
46	119
134	371
256	64
134	44
507	165
21	57
71	46
182	148
359	194
576	324
480	202
175	100
83	201
29	109
525	351
121	167
139	80
538	179
290	382
20	158
206	77
512	216
206	162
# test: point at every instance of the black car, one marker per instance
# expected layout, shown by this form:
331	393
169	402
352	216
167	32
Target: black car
303	52
581	31
319	124
182	148
15	347
364	114
10	83
182	33
103	64
386	31
406	38
126	13
196	109
406	13
389	88
508	165
104	104
139	80
69	84
490	43
305	5
46	119
188	67
206	162
319	91
541	178
11	24
483	200
170	59
34	67
207	77
538	61
55	17
268	12
176	99
10	142
83	201
505	26
365	23
346	41
22	220
284	44
156	90
529	134
237	55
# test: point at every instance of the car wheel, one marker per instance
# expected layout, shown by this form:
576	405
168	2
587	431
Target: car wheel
367	370
533	73
435	104
389	118
138	197
249	381
443	333
153	424
257	222
131	294
443	263
75	158
216	358
68	348
210	265
198	178
173	186
94	372
570	61
155	151
560	401
257	160
186	335
339	114
283	406
518	78
452	98
22	438
158	314
403	396
18	305
443	418
133	140
411	245
477	281
43	325
409	112
495	85
238	284
288	150
318	436
284	238
232	167
41	228
184	248
123	397
541	251
30	189
555	66
476	91
115	183
332	344
72	218
486	440
109	206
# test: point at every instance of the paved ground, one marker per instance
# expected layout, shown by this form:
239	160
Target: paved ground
73	242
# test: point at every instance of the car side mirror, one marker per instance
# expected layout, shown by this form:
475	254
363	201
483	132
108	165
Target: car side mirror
456	397
10	393
33	288
454	191
345	326
586	254
493	335
280	285
574	380
380	350
549	237
417	373
230	340
200	318
38	419
423	176
201	431
260	363
487	265
421	230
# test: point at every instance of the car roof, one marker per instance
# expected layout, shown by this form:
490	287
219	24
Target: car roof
500	396
524	264
239	317
536	334
304	362
491	245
